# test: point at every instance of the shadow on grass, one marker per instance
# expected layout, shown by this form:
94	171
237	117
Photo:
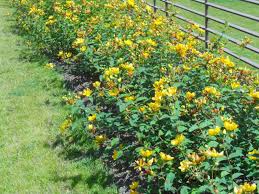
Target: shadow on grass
85	155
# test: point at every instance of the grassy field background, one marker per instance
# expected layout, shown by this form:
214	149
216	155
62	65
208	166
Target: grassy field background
238	5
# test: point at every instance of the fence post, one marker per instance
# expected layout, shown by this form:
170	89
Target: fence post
206	24
166	9
154	5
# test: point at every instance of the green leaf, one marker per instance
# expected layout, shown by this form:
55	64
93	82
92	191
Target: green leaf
224	173
204	188
219	122
160	133
205	124
122	107
181	129
168	133
169	181
115	141
235	154
206	165
213	144
193	128
184	190
120	153
236	175
164	116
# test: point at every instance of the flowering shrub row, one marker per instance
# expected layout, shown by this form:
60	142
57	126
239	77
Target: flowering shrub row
183	119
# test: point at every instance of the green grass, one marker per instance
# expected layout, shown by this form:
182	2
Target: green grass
30	113
233	4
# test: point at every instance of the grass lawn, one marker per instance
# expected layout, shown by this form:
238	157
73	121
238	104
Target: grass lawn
243	22
30	114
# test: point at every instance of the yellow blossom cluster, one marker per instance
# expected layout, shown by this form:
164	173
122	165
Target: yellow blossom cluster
245	188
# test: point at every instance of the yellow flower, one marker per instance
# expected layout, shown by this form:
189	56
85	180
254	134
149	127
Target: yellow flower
131	3
245	188
171	91
158	85
253	155
23	2
128	42
145	55
230	125
110	72
151	42
158	21
190	95
115	155
200	101
158	96
100	139
195	26
50	66
165	157
78	42
70	101
101	94
149	9
51	20
146	153
186	67
133	192
63	55
185	165
195	158
254	95
150	162
179	36
129	98
96	84
139	164
81	33
33	10
178	140
142	109
83	48
134	185
181	49
90	127
68	54
66	124
235	85
211	90
114	92
87	92
154	106
70	4
215	131
60	53
227	62
92	118
213	153
129	67
248	187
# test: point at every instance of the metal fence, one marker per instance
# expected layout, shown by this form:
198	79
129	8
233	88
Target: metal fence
163	5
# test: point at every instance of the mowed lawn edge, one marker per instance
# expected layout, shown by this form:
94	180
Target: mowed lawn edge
31	111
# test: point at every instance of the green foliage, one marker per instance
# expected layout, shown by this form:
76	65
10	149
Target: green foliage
183	119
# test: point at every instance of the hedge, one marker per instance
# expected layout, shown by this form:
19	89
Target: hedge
180	118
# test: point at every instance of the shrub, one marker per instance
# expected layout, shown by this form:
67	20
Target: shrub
183	118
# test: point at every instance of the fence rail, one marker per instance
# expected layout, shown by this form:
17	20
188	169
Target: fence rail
209	30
